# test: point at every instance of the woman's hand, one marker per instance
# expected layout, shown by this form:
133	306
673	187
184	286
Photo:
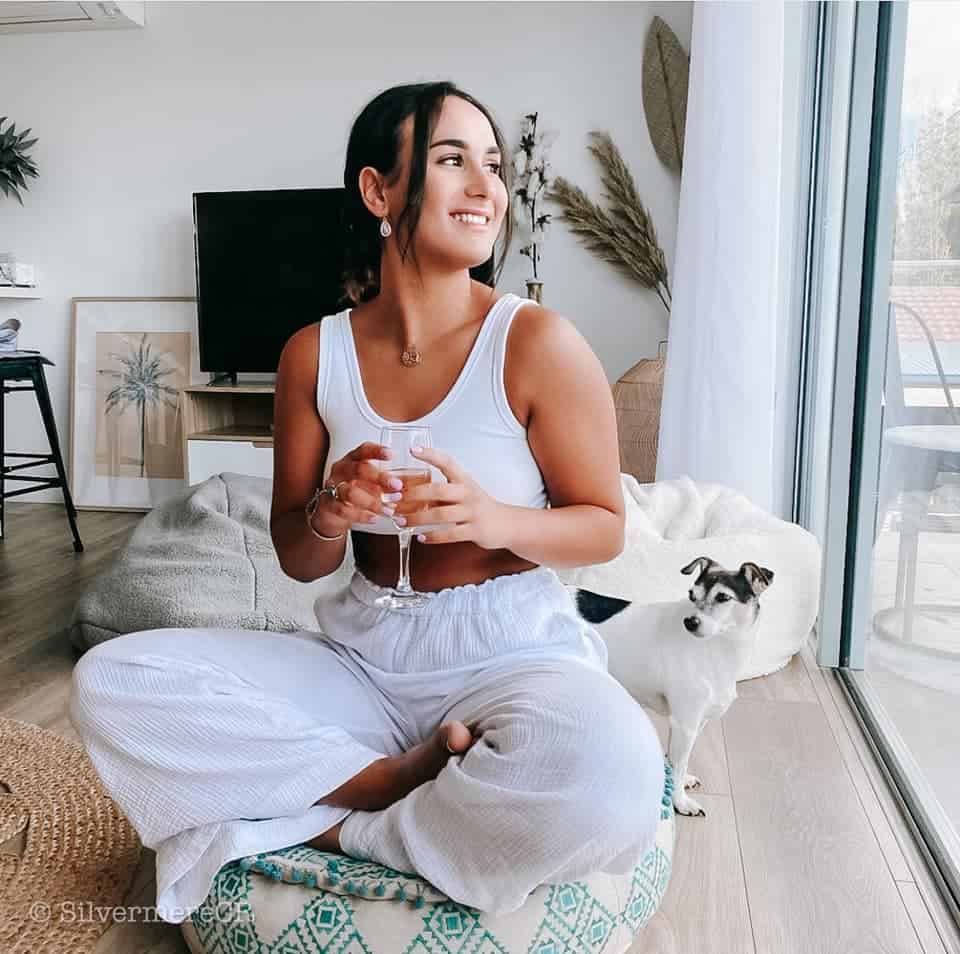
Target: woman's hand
364	489
475	515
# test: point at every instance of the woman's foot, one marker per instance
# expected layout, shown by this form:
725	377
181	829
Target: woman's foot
424	762
389	779
404	773
329	840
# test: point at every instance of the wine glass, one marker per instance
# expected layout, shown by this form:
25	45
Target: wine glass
412	472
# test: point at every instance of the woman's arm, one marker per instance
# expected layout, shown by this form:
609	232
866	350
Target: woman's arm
572	431
300	446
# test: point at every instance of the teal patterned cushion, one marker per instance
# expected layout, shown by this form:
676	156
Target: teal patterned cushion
303	901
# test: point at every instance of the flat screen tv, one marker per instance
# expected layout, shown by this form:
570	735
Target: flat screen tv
268	263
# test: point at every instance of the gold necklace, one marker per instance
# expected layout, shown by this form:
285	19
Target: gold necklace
411	357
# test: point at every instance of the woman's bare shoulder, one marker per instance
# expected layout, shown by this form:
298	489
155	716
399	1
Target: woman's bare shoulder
541	339
304	346
301	354
534	322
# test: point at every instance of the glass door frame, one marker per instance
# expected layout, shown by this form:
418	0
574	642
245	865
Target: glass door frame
860	57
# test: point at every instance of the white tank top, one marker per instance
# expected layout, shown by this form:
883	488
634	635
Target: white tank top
473	423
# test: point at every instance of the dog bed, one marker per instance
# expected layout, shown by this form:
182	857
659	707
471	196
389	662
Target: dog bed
671	522
300	900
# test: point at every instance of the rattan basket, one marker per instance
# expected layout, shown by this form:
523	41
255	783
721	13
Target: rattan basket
637	397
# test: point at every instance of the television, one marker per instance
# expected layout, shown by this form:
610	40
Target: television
268	262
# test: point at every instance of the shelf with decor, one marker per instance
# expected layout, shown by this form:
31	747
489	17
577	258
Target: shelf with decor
10	291
227	428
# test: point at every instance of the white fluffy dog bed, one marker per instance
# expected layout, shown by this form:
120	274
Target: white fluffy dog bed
671	522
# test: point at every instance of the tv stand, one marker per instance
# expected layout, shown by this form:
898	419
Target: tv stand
227	427
230	376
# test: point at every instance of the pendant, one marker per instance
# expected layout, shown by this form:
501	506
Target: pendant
410	357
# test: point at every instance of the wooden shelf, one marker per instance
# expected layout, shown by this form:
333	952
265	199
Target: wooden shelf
235	432
11	291
229	389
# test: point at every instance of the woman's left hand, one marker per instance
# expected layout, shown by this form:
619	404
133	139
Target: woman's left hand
462	502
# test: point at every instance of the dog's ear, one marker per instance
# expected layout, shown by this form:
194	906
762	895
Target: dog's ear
759	577
698	565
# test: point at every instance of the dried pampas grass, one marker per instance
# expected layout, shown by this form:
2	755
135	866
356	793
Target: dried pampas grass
625	235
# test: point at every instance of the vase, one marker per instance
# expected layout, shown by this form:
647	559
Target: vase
637	397
535	290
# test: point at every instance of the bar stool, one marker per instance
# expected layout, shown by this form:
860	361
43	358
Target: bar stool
27	366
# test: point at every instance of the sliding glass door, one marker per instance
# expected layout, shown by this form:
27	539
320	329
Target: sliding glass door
881	445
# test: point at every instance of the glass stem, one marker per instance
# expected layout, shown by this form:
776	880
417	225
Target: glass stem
403	586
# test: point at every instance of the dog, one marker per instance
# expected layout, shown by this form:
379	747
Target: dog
682	658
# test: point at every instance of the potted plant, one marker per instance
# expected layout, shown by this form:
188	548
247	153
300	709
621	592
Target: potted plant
15	165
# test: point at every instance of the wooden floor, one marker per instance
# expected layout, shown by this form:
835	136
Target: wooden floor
802	849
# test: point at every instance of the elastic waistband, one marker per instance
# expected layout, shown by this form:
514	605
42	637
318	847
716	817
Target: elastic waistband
509	588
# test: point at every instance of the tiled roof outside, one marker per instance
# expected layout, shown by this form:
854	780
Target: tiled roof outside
939	307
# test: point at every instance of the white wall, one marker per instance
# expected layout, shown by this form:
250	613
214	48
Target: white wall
217	96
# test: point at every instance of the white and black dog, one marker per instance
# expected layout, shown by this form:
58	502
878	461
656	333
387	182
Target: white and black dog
681	660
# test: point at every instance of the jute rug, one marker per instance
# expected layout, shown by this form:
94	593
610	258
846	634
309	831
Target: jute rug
67	853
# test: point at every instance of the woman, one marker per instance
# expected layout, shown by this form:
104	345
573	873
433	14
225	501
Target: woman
477	740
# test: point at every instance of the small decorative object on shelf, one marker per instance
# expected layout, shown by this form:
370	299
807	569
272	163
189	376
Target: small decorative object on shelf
15	273
531	168
8	334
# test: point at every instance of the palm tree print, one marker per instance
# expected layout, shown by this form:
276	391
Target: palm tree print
141	386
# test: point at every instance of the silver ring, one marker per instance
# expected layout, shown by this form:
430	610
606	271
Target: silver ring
333	491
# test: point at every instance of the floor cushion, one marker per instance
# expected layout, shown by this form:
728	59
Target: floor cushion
299	900
203	558
671	522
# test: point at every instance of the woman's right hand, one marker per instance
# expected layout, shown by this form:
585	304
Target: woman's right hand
360	484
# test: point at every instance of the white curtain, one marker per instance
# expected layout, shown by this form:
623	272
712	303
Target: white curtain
718	420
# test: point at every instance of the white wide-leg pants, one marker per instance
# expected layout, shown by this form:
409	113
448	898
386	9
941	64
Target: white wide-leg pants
216	743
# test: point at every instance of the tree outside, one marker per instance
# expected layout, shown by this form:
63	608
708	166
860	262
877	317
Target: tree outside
928	192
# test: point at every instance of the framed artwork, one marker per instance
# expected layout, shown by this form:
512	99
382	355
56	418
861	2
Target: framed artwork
131	358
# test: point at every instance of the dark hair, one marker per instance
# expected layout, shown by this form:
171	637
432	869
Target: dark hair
375	141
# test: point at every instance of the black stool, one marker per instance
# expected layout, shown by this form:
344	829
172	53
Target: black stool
24	366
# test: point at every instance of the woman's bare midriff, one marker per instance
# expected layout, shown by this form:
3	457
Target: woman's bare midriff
433	567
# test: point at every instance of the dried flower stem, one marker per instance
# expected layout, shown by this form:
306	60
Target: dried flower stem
531	165
625	236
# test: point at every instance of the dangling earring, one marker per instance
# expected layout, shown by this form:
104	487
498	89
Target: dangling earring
385	229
